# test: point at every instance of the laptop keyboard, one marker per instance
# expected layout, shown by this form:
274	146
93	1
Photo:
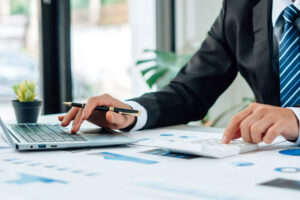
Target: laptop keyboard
45	133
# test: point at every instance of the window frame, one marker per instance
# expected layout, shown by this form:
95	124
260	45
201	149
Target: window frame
55	48
55	57
166	25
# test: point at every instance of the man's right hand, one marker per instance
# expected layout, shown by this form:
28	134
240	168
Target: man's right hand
103	119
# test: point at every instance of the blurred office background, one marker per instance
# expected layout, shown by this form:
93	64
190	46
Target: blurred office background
75	49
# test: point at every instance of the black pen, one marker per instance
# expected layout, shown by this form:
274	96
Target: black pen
122	111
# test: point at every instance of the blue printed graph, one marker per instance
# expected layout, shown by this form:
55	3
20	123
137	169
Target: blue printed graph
165	153
166	134
77	171
184	137
62	169
92	174
290	152
119	157
17	161
187	137
35	164
288	169
50	166
28	179
10	159
21	162
143	139
242	164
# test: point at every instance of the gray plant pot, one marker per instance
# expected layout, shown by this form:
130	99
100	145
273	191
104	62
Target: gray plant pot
27	112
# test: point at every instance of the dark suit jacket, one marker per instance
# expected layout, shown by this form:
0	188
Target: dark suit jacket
240	40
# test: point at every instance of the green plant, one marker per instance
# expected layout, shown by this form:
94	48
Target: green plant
162	67
111	2
25	91
19	7
79	4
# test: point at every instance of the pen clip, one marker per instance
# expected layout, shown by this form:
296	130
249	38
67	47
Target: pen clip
111	108
133	114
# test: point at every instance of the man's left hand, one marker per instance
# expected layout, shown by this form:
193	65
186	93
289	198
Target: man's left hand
259	122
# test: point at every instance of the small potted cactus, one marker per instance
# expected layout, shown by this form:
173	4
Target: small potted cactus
26	106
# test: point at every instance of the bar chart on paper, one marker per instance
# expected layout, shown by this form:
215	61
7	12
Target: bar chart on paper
120	157
39	165
28	178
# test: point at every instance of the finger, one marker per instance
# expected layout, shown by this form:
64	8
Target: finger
91	105
60	118
237	134
115	120
77	122
70	116
259	129
272	133
246	125
234	125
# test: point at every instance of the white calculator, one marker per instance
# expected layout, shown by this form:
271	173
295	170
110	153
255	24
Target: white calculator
212	147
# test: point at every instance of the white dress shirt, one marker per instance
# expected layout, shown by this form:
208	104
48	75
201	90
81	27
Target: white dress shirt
278	23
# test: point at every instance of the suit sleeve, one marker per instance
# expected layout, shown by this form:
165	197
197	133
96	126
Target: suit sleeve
201	81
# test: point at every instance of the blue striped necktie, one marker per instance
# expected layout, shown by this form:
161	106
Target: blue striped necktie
289	59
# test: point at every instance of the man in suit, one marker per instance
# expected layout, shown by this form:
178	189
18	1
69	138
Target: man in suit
259	39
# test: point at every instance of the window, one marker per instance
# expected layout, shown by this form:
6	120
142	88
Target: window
107	36
100	47
19	48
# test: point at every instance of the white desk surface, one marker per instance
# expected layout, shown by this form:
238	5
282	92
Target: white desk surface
128	172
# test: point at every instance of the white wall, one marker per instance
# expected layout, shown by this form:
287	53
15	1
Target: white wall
194	19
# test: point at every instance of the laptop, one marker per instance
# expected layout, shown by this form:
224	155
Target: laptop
25	137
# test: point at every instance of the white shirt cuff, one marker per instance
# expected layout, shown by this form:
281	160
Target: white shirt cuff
142	119
297	113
